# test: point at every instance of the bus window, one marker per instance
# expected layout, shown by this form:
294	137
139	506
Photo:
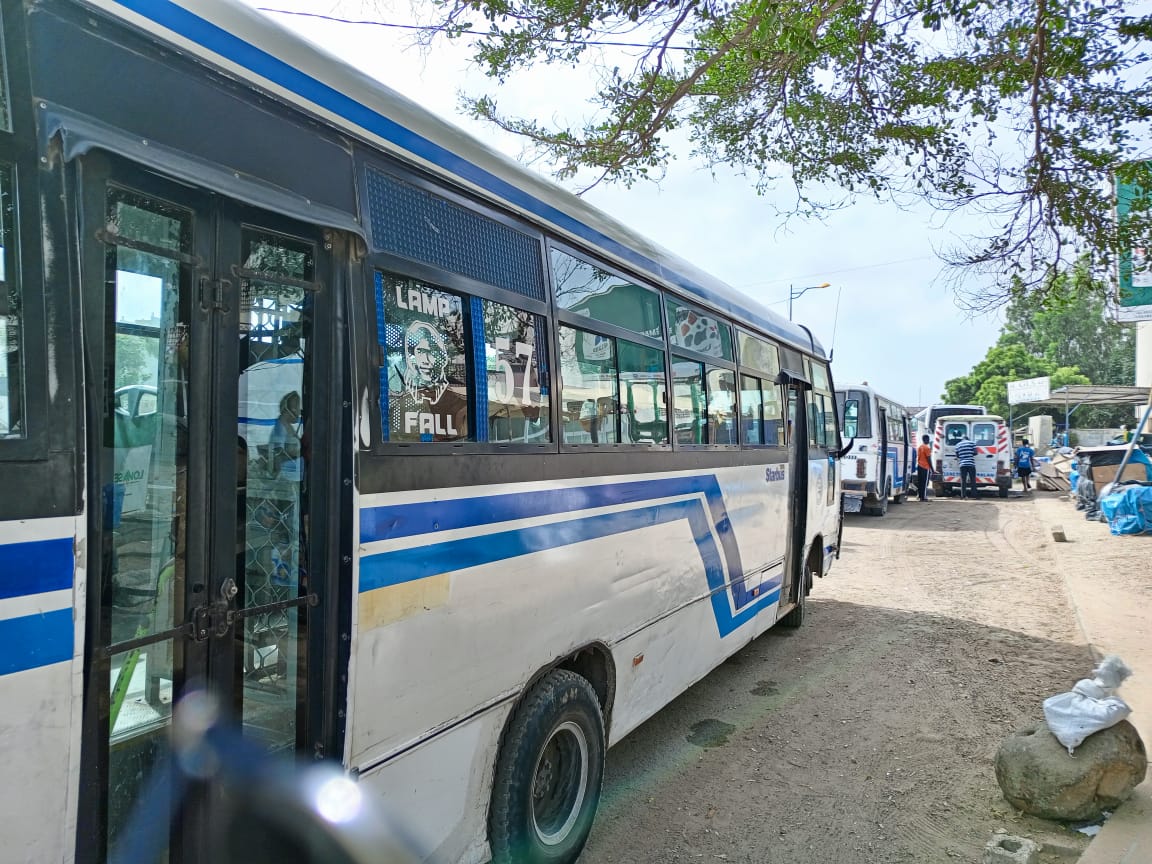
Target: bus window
773	414
984	434
760	355
693	330
11	358
954	432
427	368
644	418
688	402
721	406
588	290
751	418
850	411
588	387
515	353
819	375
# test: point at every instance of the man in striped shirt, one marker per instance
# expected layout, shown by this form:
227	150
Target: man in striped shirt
966	456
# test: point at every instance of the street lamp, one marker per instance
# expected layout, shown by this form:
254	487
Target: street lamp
793	293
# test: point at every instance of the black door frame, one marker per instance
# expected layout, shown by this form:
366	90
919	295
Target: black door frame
208	274
798	483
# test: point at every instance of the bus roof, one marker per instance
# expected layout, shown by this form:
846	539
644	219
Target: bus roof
247	45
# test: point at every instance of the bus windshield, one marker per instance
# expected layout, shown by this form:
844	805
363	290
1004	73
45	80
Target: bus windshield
856	417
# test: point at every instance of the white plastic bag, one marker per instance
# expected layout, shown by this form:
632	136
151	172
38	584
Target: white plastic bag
1091	705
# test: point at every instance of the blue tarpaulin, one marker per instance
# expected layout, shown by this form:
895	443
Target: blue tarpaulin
1128	510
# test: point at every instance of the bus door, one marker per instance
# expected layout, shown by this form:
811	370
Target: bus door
210	425
796	388
883	470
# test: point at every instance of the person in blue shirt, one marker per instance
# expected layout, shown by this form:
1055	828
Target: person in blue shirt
1025	456
966	456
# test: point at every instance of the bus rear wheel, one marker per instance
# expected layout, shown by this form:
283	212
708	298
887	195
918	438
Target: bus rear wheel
548	774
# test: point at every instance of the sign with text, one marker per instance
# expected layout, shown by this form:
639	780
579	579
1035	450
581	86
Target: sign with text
1133	298
1029	390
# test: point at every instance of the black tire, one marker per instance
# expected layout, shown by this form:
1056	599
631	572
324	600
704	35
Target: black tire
1002	491
881	507
548	774
796	617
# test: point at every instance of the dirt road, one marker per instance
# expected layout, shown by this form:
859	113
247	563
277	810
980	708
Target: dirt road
867	736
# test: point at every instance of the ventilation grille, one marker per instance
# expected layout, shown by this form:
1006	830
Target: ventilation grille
414	224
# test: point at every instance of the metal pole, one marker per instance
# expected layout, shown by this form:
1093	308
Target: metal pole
1132	443
791	297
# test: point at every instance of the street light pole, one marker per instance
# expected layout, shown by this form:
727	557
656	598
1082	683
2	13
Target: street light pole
793	294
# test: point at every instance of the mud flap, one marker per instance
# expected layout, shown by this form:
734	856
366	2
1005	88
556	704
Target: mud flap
840	526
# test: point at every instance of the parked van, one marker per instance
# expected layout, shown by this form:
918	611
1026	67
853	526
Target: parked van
989	433
883	456
924	422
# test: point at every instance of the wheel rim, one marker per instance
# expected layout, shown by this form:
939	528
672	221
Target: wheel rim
560	783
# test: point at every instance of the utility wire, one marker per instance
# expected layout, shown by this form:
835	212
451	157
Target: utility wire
433	27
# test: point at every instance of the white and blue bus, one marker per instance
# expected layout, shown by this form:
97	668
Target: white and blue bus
881	463
414	461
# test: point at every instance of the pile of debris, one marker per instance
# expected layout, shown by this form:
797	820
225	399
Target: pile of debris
1052	476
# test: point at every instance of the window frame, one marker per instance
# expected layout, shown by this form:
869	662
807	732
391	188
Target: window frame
39	415
616	333
435	277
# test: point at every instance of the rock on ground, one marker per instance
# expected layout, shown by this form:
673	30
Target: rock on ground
1038	776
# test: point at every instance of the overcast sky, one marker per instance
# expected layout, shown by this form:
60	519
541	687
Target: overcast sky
898	326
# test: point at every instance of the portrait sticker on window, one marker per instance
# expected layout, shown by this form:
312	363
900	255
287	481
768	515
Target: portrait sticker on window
426	388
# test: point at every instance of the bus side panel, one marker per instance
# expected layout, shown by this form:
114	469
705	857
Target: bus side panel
432	649
437	792
465	594
41	671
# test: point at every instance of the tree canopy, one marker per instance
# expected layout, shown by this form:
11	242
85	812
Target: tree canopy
1022	110
1071	341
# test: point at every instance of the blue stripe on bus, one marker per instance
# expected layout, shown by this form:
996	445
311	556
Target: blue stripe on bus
35	567
172	17
393	521
32	641
407	520
408	565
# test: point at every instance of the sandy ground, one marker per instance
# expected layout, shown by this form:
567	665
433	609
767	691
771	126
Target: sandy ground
867	735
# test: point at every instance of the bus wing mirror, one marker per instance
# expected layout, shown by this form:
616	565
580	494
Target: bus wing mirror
846	449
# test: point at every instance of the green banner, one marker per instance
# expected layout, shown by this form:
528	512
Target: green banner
1133	301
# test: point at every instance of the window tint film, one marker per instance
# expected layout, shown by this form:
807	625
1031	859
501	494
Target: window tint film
424	386
588	391
688	402
721	406
819	375
589	290
11	357
773	414
759	354
644	415
698	331
515	357
750	406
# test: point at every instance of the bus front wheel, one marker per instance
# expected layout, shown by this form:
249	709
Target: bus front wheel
549	773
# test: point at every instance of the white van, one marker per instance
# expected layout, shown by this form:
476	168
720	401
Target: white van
989	433
880	465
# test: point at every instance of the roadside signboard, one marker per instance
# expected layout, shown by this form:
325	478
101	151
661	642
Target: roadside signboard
1029	390
1133	300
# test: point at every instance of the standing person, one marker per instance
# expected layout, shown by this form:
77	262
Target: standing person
966	455
923	467
1025	456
